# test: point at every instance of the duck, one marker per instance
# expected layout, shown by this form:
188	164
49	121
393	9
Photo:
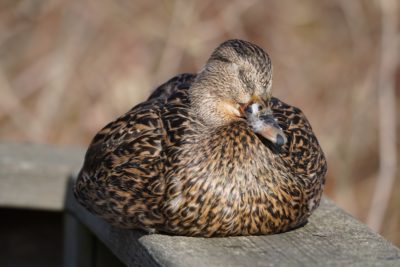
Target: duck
211	154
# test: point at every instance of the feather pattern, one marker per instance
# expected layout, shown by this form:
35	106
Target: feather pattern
161	168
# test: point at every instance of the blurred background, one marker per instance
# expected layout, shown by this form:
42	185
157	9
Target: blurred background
69	67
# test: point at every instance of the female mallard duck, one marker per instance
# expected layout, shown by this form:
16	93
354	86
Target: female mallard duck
212	154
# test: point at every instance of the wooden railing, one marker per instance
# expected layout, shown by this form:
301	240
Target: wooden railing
330	238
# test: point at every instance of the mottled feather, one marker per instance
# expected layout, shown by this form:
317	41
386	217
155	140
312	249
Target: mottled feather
161	168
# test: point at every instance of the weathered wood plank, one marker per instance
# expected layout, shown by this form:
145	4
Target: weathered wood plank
124	244
35	176
78	243
331	238
83	249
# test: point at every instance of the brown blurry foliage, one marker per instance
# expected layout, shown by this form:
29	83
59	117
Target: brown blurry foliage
69	67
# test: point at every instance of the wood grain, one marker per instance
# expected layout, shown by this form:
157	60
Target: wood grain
330	238
35	176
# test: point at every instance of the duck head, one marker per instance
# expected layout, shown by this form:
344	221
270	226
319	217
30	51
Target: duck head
235	84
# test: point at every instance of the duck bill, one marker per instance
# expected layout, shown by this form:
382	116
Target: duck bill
266	126
260	119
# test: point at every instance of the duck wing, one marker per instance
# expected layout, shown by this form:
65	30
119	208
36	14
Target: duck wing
122	176
302	149
164	91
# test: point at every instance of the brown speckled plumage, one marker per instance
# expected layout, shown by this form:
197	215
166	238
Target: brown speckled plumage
189	162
